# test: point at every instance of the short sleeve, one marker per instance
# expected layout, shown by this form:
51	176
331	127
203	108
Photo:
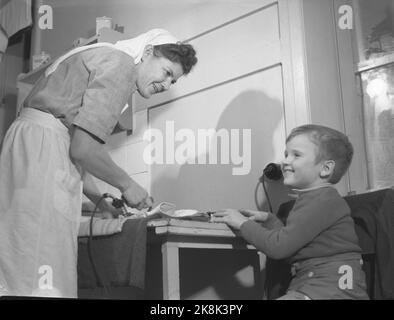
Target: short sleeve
111	82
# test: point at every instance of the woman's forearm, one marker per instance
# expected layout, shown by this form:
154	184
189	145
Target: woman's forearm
94	158
92	192
90	189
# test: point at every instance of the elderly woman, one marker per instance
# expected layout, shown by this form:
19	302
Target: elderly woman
57	138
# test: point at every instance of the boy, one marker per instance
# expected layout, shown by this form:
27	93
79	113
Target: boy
319	238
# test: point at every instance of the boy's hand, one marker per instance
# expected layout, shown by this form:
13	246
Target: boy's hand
258	216
229	216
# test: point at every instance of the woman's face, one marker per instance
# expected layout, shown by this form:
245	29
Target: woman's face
156	74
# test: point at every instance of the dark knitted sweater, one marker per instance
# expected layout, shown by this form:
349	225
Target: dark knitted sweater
319	225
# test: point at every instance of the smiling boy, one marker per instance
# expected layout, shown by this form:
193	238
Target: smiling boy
318	238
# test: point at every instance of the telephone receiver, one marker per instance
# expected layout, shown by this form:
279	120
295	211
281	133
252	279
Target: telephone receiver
273	171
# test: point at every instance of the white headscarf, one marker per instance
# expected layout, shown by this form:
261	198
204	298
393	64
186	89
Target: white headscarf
133	47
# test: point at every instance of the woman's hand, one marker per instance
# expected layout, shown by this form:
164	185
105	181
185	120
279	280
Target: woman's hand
258	216
137	197
110	212
229	216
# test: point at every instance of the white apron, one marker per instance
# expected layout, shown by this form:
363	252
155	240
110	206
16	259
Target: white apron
40	208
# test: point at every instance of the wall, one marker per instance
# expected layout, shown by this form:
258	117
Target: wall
351	100
230	89
331	82
323	78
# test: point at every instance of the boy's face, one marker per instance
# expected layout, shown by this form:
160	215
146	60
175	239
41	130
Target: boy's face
299	168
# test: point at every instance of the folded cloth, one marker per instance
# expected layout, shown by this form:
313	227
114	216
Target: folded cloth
165	208
119	258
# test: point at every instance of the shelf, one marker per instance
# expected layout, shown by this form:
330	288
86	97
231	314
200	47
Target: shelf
26	81
104	35
33	75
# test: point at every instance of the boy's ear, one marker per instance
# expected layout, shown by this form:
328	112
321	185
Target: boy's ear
327	169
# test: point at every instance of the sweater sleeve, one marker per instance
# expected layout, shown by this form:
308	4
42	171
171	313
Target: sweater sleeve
272	222
309	217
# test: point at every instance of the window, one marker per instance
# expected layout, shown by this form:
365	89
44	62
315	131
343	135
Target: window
375	67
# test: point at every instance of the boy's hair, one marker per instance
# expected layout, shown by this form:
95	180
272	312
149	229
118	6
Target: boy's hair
181	53
331	145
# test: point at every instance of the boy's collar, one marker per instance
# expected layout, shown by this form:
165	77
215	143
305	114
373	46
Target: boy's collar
327	184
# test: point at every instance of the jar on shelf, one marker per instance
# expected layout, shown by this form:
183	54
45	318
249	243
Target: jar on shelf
103	22
40	59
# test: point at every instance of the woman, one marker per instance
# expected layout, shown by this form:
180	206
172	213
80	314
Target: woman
58	137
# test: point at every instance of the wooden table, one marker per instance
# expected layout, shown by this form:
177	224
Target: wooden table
173	234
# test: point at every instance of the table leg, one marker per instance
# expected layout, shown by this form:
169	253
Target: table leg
262	274
170	256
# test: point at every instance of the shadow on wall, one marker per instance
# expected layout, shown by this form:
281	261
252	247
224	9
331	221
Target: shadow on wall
213	186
